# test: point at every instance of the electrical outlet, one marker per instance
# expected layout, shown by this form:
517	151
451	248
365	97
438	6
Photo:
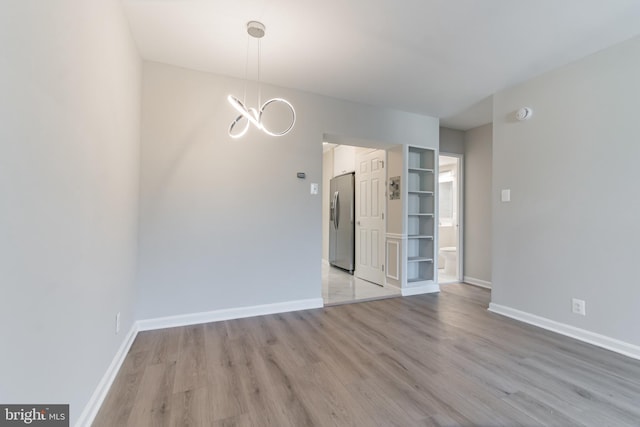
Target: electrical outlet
578	306
118	322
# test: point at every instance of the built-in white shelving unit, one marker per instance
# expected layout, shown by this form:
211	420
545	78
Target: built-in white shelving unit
411	206
420	214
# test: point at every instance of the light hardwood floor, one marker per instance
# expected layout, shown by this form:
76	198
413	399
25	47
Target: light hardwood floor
430	360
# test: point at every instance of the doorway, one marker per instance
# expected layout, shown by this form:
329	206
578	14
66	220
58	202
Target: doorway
450	233
365	280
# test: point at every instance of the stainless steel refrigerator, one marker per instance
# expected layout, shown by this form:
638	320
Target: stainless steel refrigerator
341	222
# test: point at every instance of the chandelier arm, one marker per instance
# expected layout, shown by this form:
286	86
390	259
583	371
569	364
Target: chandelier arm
249	113
233	125
293	120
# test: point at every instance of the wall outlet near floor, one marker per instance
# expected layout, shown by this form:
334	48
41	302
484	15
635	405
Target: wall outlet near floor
118	323
578	306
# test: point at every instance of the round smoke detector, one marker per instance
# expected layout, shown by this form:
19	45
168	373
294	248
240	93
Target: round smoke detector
255	29
524	113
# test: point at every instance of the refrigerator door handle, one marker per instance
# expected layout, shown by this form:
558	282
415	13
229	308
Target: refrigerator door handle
351	212
334	210
336	215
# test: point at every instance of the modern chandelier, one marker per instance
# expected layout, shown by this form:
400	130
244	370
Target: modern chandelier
250	115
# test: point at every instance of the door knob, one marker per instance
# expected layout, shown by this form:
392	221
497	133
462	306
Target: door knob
358	222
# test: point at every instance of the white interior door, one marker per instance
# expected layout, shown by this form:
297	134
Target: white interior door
370	176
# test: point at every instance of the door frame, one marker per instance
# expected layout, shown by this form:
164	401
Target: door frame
460	185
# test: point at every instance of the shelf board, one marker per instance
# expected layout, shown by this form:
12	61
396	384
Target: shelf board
420	170
420	236
421	214
420	192
418	279
419	259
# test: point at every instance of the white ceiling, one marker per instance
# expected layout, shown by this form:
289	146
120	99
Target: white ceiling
442	58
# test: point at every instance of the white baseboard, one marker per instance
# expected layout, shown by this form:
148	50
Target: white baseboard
228	314
417	290
93	406
603	341
473	281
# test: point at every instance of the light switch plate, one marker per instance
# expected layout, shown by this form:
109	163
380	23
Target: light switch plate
314	188
506	195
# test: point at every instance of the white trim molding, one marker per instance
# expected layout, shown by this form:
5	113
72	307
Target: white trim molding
418	290
395	267
95	402
603	341
478	282
228	314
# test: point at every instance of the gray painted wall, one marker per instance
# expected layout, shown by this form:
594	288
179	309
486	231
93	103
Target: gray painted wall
226	223
69	106
477	203
573	171
451	141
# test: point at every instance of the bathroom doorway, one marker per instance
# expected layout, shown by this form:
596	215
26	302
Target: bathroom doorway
450	233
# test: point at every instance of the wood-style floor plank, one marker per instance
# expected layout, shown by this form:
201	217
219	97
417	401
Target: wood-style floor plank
190	409
166	346
223	374
429	360
191	364
152	403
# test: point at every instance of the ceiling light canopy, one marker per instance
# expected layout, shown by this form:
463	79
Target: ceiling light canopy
252	116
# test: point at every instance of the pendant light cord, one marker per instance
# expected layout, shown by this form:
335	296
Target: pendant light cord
259	83
246	71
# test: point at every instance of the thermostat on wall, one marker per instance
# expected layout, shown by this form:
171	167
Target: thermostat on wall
524	113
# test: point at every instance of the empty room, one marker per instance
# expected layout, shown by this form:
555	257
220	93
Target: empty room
336	213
